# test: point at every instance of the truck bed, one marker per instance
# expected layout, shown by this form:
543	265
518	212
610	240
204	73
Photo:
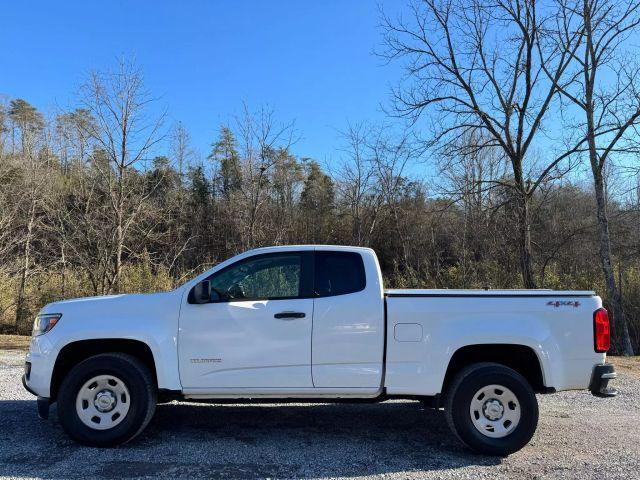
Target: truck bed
425	327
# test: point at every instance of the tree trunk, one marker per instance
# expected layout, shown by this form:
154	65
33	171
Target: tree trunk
119	249
26	264
63	259
120	208
621	337
526	256
621	329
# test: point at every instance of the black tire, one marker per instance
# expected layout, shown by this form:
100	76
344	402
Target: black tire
142	392
458	403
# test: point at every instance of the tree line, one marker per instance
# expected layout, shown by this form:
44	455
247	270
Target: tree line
516	170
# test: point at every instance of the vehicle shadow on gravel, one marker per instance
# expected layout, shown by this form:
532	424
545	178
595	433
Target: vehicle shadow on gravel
242	441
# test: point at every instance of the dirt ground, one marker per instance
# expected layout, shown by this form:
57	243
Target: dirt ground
630	365
14	342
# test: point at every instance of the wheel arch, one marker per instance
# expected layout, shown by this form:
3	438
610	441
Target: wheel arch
77	351
521	358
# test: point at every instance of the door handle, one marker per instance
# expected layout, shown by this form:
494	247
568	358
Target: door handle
289	315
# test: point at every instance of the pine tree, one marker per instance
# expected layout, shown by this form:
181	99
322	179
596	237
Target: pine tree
225	153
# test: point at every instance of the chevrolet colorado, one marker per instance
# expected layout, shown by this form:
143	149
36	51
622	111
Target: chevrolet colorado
314	323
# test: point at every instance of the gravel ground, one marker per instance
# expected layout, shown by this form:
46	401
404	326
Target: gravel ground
579	436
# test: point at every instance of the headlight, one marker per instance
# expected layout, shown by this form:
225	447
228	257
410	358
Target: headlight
45	322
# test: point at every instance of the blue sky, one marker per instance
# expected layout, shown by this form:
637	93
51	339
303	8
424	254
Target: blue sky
311	60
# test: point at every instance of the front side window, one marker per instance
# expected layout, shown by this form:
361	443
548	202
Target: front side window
260	278
338	273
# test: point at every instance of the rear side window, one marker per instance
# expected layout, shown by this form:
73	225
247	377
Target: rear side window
338	273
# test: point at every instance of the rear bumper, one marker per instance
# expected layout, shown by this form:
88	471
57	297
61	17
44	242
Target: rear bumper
599	385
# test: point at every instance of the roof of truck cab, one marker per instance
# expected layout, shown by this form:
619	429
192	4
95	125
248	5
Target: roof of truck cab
487	293
281	248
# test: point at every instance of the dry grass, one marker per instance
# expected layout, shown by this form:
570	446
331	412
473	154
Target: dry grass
14	342
626	364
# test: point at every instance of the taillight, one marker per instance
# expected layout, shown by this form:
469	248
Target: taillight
601	331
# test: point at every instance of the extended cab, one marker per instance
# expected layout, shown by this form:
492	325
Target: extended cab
315	323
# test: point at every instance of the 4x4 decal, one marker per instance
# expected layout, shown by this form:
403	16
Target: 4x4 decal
563	303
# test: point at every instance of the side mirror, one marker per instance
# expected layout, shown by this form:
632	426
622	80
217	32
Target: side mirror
201	293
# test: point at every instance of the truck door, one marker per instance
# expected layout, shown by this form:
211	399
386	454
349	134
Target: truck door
257	331
348	321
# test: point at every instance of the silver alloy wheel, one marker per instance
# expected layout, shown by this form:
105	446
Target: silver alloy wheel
495	411
103	402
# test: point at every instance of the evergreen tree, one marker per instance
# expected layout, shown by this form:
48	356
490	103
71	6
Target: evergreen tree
225	153
28	121
317	201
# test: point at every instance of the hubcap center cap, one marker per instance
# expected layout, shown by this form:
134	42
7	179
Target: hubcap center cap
105	401
493	409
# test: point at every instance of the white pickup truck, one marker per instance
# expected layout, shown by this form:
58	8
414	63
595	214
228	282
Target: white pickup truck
314	323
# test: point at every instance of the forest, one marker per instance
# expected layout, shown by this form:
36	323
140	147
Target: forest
502	165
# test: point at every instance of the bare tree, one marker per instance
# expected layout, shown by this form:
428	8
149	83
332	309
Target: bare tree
181	151
474	66
467	177
126	133
262	138
356	185
606	89
391	155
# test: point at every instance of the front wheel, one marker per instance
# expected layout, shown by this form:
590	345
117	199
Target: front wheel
106	400
492	409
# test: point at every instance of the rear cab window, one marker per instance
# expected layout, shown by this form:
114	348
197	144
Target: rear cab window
338	273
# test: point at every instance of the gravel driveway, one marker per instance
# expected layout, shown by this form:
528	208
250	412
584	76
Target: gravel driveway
579	436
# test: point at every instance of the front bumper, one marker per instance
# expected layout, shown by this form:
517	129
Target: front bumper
26	387
599	385
43	403
39	366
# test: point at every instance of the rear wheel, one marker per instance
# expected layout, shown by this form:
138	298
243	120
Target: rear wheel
106	400
492	409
